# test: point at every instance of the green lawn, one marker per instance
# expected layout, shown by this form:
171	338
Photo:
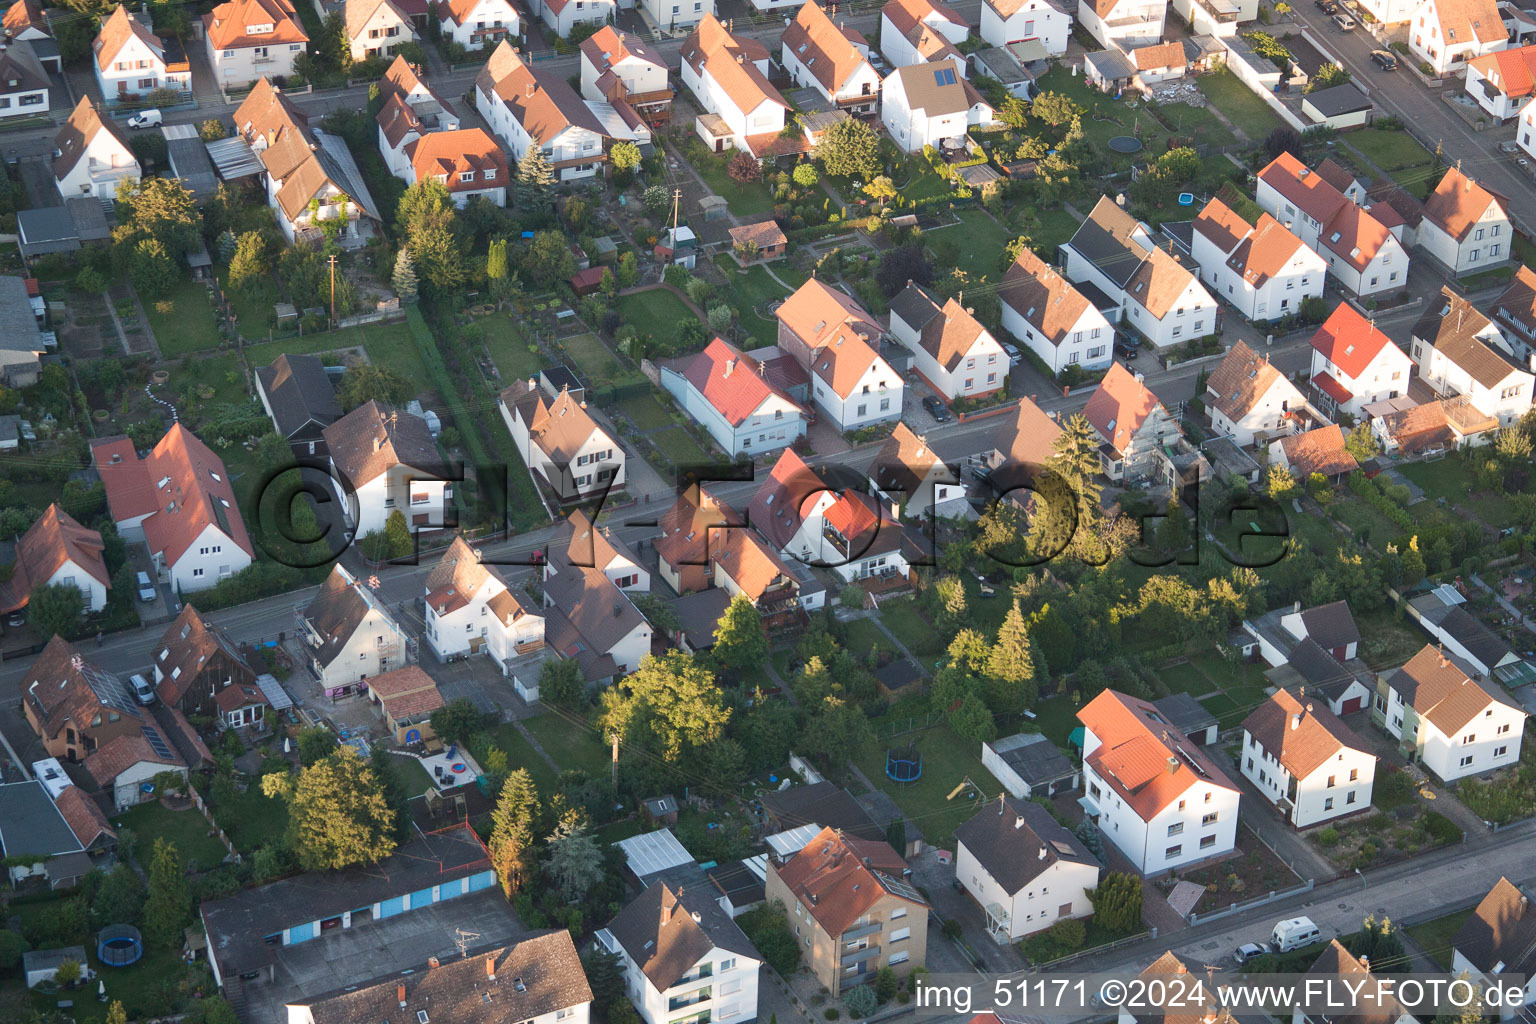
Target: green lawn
256	819
590	356
863	635
520	754
1239	104
1197	123
947	761
922	181
676	444
752	291
646	412
188	830
508	348
905	620
252	304
1227	711
973	245
1398	154
186	324
1056	718
392	345
212	370
417	779
142	988
743	200
1434	937
1443	478
574	746
653	310
1107	117
1186	678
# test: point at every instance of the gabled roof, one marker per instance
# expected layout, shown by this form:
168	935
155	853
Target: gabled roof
609	46
778	507
764	234
1032	436
1337	175
732	383
1017	841
51	542
116	32
945	332
1455	328
449	154
838	878
181	486
694	527
458	576
1435	687
1304	188
336	611
906	13
1301	735
190	645
61	685
827	51
559	427
600	614
1119	407
1142	755
1159	282
373	439
459	12
1242	379
1501	930
298	392
1257	252
864	524
75	137
84	817
1356	235
20	71
226	26
125	750
819	315
1458	202
843	363
1350	341
1466	21
576	541
752	564
667	931
359	13
1331	625
731	62
1518	302
541	101
936	88
406	692
1369	1009
1510	72
26	14
268	113
905	462
1320	450
1043	297
1158	55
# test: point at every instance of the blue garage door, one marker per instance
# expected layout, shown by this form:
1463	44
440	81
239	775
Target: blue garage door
421	899
389	908
484	880
301	932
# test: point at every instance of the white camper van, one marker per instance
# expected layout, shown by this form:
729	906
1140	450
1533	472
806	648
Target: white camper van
1294	934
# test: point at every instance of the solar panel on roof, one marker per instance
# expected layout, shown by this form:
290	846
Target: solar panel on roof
1062	848
944	76
156	742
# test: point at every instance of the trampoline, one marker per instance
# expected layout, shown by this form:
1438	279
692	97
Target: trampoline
904	765
1125	144
119	945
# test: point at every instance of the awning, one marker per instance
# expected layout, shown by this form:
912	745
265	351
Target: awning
274	692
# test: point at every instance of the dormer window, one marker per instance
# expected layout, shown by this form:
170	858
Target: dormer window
258	30
489	174
466	175
165	480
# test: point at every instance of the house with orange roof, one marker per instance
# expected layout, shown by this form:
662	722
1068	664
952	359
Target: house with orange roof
1022	447
471	610
744	564
1465	226
1504	81
690	530
560	442
93	155
1133	426
200	670
1262	269
527	107
131	61
1515	312
1004	22
932	105
918	31
861	540
837	886
1459	351
57	551
1050	317
728	75
247	39
1250	400
1362	245
577	542
1430	428
1123	24
620	67
468	163
1153	792
1447	721
26	21
1445	34
377	28
836	341
406	698
730	395
562	16
911	478
409	109
177	499
789	504
953	352
1317	451
1157	294
478	24
1303	759
1354	364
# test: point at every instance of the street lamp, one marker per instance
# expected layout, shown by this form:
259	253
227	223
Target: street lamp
1364	885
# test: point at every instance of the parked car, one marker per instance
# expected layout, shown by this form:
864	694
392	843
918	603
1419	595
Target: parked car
1344	21
1328	6
1384	59
147	591
1015	357
1249	950
146	119
937	409
142	689
1295	933
16	618
1127	349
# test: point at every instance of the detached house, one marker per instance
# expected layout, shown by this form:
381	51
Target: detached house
835	340
131	61
951	350
732	397
93	155
932	105
1498	940
1503	82
298	397
1023	868
200	670
560	442
618	67
1318	451
1159	296
470	610
1465	226
177	499
562	16
409	109
1250	399
1153	793
376	28
831	59
527	108
351	635
1262	269
1445	34
729	78
918	31
1355	365
247	39
1448	722
383	462
851	906
1004	22
1133	425
1305	761
1045	313
1459	351
24	83
476	24
468	163
679	949
1123	24
911	478
692	531
57	551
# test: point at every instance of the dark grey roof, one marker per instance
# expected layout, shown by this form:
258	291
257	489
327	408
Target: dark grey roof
1104	240
666	932
737	883
1034	758
558	377
699	613
1341	99
531	977
1110	64
1101	299
915	306
238	924
1480	641
336	611
1185	712
824	804
31	824
1331	625
47	959
900	672
1502	928
190	162
1017	840
18	323
1323	672
664	804
46	229
90	219
299	392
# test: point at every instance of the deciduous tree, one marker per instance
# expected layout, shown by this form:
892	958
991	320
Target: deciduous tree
55	608
1054	108
671	705
739	638
373	382
338	814
849	149
744	169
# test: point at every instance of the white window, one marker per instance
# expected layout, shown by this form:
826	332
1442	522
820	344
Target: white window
899	958
901	934
196	573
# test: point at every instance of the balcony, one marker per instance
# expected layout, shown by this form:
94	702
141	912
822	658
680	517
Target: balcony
693	998
1224	11
860	932
858	956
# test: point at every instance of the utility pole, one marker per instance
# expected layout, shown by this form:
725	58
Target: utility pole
333	291
677	198
615	771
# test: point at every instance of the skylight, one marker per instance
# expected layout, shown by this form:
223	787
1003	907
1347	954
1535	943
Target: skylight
944	76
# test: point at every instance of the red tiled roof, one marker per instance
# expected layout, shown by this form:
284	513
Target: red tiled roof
1349	341
1320	450
1144	757
448	154
1120	406
1331	387
83	816
730	381
115	33
226	26
1304	188
1512	72
56	538
838	878
1457	203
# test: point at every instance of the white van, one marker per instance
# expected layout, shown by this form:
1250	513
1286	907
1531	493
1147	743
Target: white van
146	119
1294	934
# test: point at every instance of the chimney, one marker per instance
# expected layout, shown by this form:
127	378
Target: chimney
1296	721
1365	962
1018	822
432	962
530	88
400	995
730	364
378	442
741	58
666	913
490	968
1173	765
1043	850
